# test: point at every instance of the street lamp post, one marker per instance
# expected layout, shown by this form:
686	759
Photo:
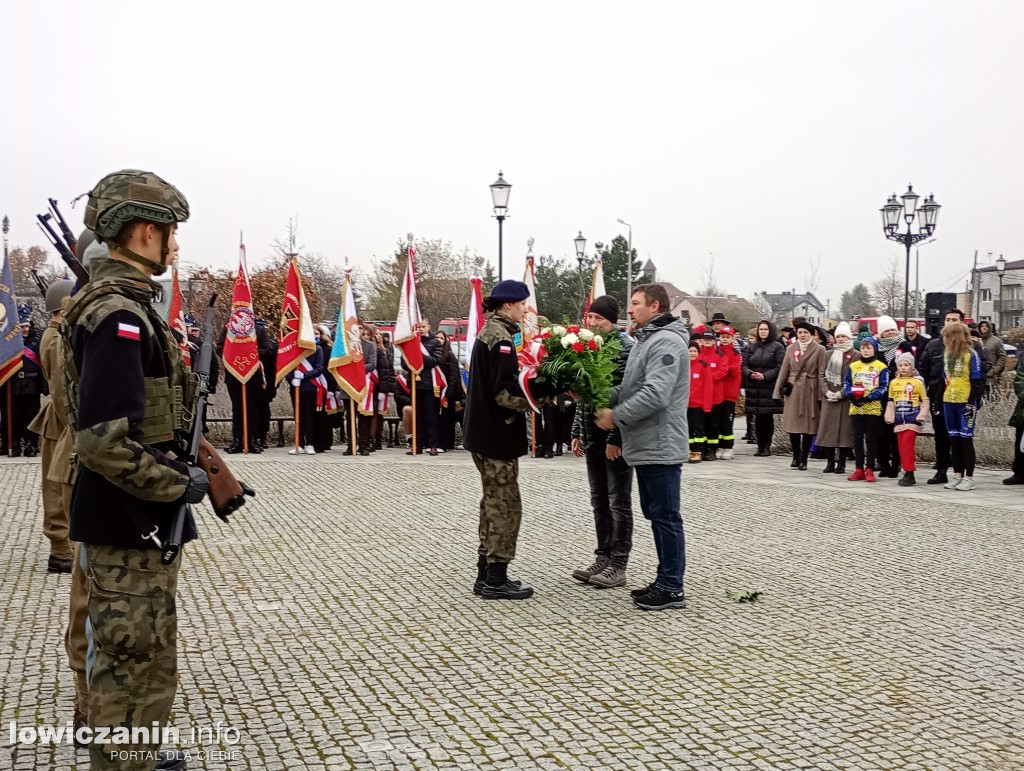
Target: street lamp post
629	263
499	198
1001	270
926	215
580	242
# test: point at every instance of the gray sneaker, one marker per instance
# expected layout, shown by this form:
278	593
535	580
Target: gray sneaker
613	575
584	575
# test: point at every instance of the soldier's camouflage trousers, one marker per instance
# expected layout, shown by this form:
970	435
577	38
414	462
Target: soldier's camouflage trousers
134	637
501	508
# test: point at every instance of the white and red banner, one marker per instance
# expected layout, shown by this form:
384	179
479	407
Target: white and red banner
476	316
596	287
241	356
406	335
530	325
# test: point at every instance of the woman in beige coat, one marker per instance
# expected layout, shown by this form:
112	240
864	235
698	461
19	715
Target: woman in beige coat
835	429
798	385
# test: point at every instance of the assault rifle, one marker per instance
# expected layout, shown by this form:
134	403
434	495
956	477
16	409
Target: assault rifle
40	283
66	246
227	494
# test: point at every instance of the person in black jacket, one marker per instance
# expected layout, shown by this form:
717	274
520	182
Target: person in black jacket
386	385
268	362
455	395
427	401
27	387
254	392
762	361
932	368
495	432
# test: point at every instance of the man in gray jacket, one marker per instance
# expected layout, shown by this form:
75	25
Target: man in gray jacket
649	409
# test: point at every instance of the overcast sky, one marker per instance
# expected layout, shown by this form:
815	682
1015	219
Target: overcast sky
765	133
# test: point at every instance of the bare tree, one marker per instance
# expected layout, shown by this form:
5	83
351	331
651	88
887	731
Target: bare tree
710	288
887	292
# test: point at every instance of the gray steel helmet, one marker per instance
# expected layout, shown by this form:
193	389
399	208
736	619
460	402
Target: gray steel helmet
87	237
56	292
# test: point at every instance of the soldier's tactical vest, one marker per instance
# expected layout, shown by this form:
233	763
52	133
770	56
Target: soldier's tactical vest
170	401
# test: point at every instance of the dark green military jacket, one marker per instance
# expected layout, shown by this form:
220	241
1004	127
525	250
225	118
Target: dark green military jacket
128	396
495	423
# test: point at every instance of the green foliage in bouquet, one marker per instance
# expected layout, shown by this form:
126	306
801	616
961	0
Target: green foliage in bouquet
580	361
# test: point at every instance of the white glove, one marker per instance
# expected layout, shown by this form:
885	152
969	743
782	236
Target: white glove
296	381
299	374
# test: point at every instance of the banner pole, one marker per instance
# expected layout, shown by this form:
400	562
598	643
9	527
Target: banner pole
415	379
533	433
352	427
296	417
245	420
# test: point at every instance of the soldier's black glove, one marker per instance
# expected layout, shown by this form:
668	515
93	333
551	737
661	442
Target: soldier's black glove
198	485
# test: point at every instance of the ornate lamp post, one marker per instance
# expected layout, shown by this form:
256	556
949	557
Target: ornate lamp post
1001	270
500	191
925	215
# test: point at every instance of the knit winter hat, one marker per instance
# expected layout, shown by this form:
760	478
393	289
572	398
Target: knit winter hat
906	356
886	324
607	307
843	329
870	339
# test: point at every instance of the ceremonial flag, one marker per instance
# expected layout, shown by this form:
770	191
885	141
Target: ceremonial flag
476	316
346	363
11	341
406	336
530	325
176	319
241	356
596	287
295	335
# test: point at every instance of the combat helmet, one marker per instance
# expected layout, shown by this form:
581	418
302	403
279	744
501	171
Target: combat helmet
128	195
56	292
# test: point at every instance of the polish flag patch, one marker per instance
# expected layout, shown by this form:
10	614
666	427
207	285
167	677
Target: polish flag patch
505	348
128	331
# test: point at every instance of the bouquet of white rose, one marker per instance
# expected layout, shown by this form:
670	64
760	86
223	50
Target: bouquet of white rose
579	360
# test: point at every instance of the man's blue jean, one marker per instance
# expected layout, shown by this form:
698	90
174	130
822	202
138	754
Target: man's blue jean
659	500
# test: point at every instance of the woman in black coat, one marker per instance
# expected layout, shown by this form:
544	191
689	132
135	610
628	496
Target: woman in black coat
386	385
451	409
762	361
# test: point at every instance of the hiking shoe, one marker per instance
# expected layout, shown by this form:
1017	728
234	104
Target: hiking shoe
611	576
659	599
641	591
952	484
478	585
856	476
908	480
584	574
965	484
510	590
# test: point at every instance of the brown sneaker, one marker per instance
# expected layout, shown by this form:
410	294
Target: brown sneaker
584	574
613	575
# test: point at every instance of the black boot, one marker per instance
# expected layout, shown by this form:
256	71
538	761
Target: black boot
481	574
908	480
830	467
802	465
170	760
841	465
940	478
499	587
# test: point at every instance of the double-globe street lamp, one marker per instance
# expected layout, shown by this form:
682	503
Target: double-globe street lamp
925	215
499	198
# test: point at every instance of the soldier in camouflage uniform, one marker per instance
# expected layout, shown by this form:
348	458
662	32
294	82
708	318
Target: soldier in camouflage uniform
129	423
55	437
495	432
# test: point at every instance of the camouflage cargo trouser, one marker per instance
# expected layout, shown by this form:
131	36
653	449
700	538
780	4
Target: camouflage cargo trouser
134	637
501	508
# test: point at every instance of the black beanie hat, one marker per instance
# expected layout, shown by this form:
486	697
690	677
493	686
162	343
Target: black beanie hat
607	307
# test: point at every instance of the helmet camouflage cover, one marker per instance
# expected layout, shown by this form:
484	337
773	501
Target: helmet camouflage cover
131	194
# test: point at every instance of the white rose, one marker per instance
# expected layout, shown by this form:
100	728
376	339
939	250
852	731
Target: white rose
558	330
599	340
586	334
569	339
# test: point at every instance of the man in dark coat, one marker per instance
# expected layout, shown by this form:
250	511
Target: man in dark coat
27	387
255	392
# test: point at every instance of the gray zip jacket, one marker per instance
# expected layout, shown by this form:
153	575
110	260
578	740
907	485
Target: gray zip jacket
650	406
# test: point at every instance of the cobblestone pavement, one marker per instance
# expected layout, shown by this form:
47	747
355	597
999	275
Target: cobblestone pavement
333	625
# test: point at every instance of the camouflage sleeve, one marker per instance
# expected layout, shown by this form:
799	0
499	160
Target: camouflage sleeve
111	406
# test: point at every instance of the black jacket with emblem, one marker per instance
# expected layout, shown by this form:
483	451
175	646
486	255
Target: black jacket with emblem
495	420
29	380
129	396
